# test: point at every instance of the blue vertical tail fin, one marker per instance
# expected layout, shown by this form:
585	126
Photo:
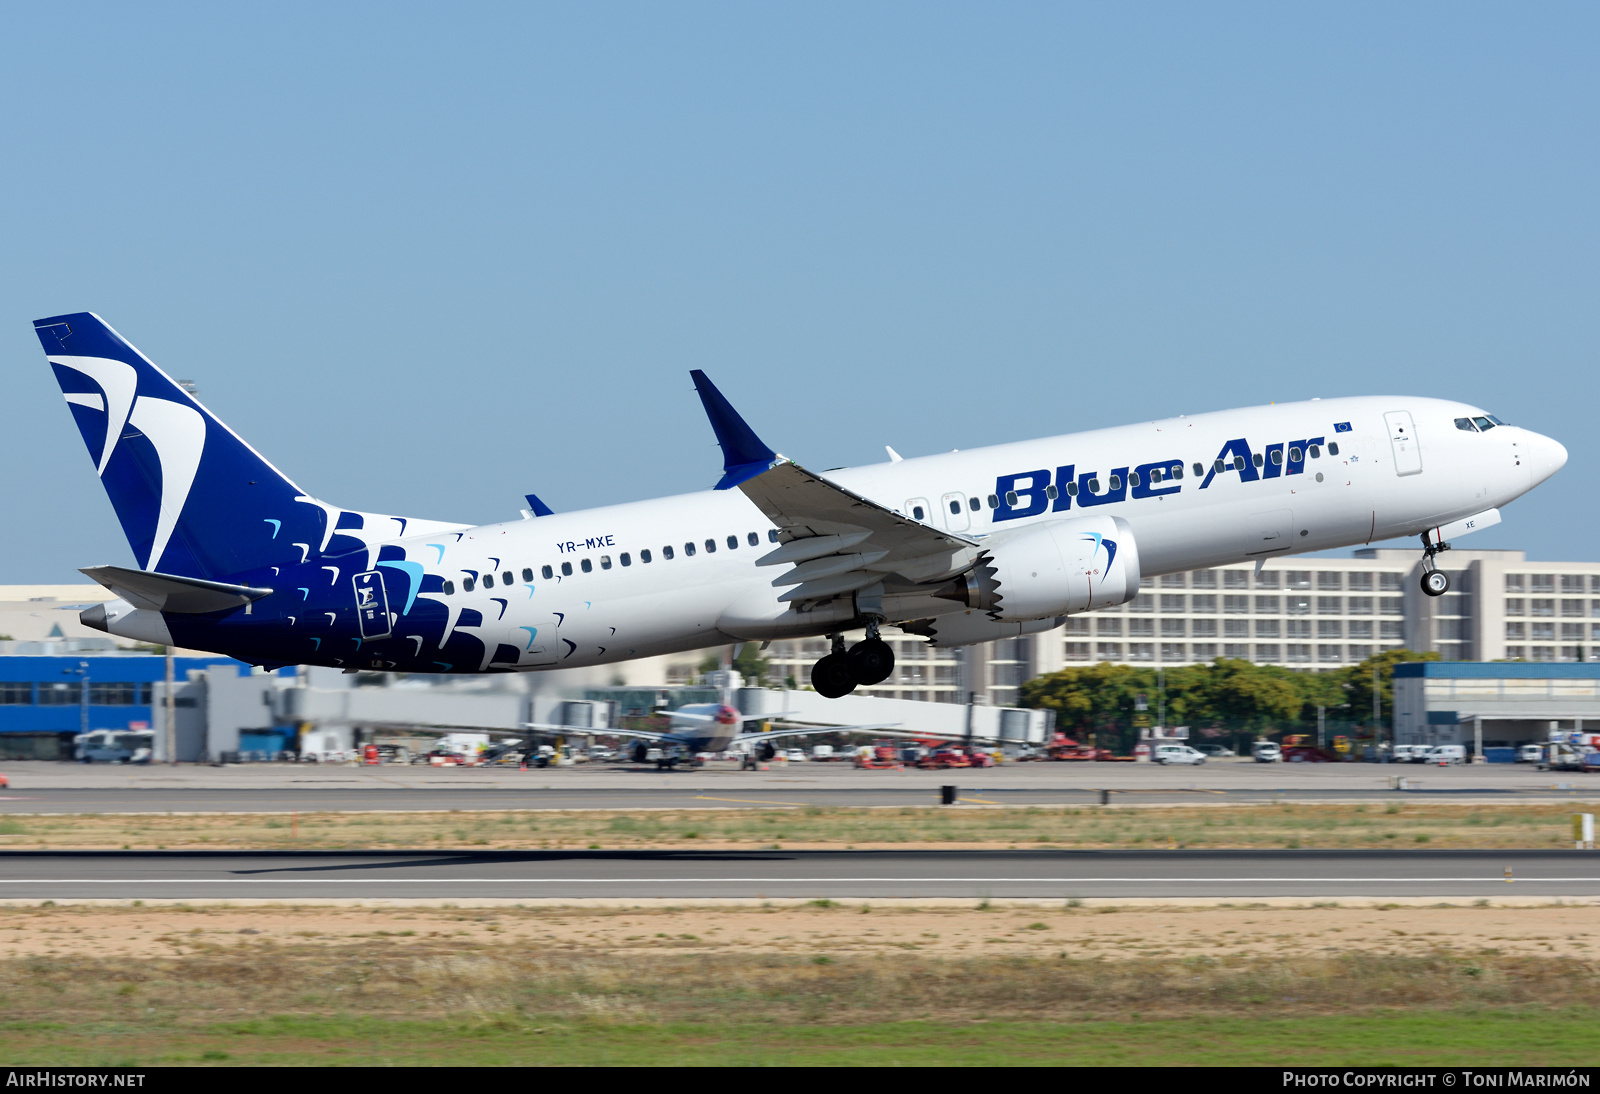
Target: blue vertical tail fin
194	499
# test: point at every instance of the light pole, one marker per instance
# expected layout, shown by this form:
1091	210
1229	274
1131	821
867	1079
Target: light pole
82	672
1161	697
1377	714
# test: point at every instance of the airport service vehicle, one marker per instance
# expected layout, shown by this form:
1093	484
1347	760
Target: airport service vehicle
113	746
1177	754
1408	754
1215	751
882	757
1446	754
961	547
1266	752
822	753
1530	754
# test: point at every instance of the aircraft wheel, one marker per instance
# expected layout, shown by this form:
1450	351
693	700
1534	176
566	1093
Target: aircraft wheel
832	677
871	662
1435	583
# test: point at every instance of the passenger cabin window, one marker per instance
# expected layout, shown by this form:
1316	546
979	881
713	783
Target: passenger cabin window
1294	455
666	553
994	502
753	540
467	584
1177	470
1115	483
644	556
1133	478
955	508
1333	448
916	514
488	581
772	535
688	549
733	542
1155	476
625	559
1238	463
1094	486
1466	425
1051	492
586	566
527	573
972	504
1072	489
566	569
1199	469
1011	497
505	578
1277	455
547	572
1257	459
605	562
1218	467
449	588
711	546
1315	452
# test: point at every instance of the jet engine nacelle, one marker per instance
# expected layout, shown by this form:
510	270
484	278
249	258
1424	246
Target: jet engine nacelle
1055	568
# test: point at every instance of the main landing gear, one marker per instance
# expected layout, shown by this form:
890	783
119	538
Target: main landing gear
1435	582
868	662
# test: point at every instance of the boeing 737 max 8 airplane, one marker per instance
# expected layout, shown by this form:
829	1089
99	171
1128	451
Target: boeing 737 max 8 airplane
962	547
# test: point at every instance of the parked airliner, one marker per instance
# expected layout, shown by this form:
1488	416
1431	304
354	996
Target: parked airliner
961	547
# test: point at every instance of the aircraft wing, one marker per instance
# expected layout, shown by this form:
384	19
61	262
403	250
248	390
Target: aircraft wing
805	731
835	541
596	731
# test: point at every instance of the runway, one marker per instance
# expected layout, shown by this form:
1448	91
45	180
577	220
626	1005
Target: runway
543	875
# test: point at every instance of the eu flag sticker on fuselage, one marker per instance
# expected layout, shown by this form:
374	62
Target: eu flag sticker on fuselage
1341	427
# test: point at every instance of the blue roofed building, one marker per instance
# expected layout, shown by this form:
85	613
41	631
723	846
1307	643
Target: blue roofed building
1493	704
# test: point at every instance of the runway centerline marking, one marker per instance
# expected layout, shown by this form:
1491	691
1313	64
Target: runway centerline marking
765	880
746	801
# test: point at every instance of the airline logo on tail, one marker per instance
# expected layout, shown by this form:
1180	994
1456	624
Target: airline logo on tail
177	432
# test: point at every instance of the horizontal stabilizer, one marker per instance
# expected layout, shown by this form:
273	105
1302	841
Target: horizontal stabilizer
169	593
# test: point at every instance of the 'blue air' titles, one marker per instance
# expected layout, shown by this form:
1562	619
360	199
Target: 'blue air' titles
1031	493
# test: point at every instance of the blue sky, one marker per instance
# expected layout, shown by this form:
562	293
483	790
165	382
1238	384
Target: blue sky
429	258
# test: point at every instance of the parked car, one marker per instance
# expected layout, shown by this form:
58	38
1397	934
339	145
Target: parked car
1266	752
1215	751
1177	754
1446	754
795	755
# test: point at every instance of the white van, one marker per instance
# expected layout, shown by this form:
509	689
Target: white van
1266	752
1446	754
1530	754
1178	754
1409	754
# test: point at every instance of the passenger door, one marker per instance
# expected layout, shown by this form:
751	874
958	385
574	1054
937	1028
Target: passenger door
1403	440
955	512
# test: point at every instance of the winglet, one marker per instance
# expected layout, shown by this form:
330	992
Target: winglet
537	507
744	456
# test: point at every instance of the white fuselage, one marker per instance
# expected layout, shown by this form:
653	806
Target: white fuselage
1375	488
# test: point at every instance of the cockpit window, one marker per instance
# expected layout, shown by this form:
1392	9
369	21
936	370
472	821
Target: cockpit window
1495	420
1466	424
1483	424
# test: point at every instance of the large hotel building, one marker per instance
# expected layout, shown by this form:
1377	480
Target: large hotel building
1303	613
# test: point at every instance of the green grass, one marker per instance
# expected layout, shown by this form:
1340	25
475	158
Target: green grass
1478	1038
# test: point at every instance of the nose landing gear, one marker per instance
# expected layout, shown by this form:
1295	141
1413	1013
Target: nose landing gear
1435	582
868	662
